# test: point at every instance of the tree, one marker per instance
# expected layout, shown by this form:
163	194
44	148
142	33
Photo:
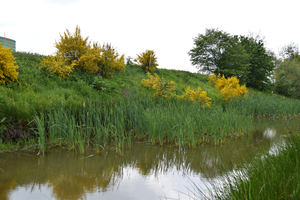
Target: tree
261	64
287	74
147	60
290	52
7	65
287	77
243	57
218	52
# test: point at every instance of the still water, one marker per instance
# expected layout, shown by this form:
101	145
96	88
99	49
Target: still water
144	172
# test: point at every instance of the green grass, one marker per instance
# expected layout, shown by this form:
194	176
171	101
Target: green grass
270	105
273	176
89	110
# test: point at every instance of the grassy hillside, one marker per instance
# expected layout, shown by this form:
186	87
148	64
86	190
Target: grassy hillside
45	110
36	89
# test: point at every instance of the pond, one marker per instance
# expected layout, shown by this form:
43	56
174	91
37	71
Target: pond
144	172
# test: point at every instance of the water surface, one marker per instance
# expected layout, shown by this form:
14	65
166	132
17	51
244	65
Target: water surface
144	172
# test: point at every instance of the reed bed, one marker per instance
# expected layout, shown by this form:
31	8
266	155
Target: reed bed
264	105
273	176
153	120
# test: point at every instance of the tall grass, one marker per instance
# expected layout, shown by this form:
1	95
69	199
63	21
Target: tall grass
272	176
271	105
157	121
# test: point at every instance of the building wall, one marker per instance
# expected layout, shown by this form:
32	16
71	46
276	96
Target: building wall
9	43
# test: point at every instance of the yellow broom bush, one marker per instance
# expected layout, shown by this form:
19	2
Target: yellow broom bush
228	87
147	60
57	65
198	96
7	65
160	86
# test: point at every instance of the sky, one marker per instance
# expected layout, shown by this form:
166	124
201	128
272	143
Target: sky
132	26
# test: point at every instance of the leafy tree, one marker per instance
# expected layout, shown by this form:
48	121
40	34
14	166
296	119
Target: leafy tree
244	57
147	60
287	77
290	52
261	63
234	61
7	65
218	52
287	74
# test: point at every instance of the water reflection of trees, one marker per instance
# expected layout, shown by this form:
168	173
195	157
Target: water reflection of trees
72	176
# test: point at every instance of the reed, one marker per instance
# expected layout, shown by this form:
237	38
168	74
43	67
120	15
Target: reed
272	176
159	121
266	105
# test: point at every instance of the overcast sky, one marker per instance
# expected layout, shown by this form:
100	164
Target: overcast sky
166	26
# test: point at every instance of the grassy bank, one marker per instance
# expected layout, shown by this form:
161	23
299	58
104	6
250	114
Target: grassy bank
275	175
42	110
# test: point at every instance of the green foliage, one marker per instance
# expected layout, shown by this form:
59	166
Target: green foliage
261	63
270	177
147	60
2	127
102	85
7	68
234	61
243	57
287	77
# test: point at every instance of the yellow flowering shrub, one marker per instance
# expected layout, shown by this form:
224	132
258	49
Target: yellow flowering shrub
198	96
7	65
102	60
72	47
228	87
147	60
213	79
75	52
160	86
57	65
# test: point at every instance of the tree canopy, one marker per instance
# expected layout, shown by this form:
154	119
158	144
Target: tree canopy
287	74
243	57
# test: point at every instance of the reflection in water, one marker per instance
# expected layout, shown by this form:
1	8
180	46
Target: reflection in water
144	172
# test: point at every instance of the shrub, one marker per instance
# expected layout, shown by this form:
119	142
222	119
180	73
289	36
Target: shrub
72	47
147	60
57	65
102	60
228	87
160	86
7	67
198	96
